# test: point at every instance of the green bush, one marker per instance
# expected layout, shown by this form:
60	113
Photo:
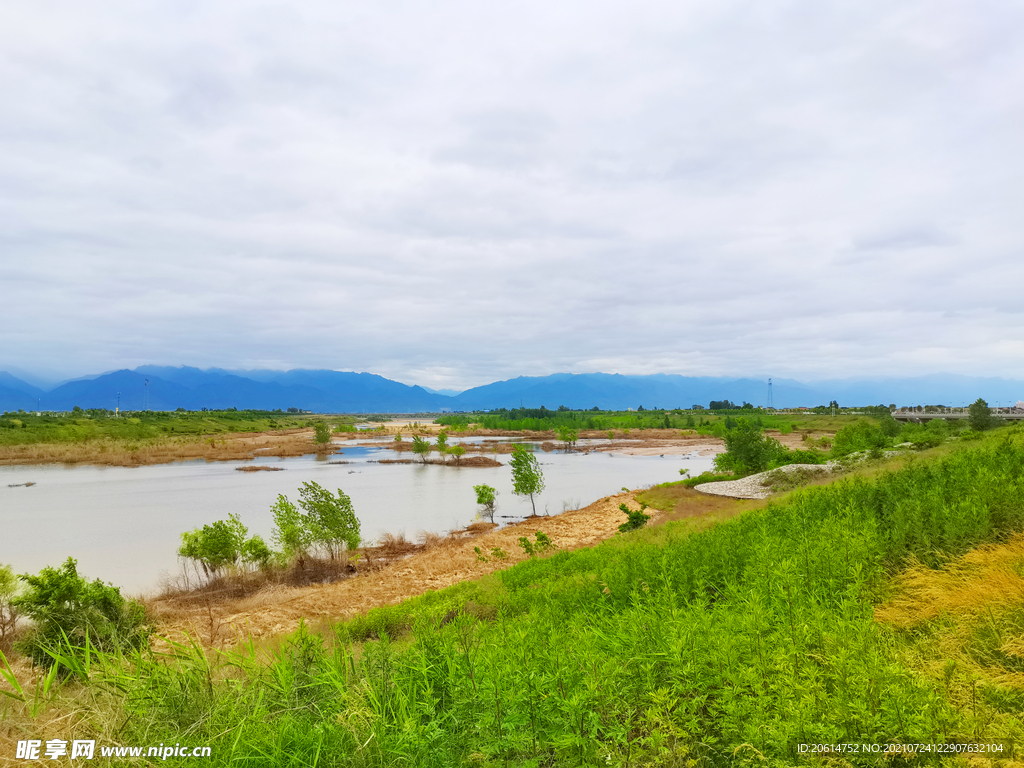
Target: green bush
636	519
798	456
221	544
67	609
748	450
861	436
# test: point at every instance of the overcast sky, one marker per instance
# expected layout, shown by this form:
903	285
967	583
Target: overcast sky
450	193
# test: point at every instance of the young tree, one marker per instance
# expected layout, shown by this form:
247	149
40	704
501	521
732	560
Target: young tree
457	451
330	519
485	498
290	531
568	435
442	443
420	447
322	433
527	477
979	416
325	520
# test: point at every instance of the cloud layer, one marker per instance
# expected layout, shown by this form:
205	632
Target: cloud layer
453	193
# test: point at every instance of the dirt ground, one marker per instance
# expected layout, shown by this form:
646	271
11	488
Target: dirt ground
277	609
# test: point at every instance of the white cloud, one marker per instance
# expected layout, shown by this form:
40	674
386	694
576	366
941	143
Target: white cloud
454	193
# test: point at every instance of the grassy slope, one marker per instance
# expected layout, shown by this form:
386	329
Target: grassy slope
730	643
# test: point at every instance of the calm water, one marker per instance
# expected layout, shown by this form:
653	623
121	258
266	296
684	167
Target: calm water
123	524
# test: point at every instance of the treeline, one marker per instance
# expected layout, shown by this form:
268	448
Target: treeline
545	420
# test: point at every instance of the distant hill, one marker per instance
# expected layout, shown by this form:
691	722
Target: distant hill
326	391
191	388
618	392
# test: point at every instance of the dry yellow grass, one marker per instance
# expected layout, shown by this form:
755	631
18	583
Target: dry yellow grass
963	626
986	580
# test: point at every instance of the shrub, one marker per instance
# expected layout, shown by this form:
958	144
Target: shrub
543	543
797	456
748	450
861	436
66	609
636	518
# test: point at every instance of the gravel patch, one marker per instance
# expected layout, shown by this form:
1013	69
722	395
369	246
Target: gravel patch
750	487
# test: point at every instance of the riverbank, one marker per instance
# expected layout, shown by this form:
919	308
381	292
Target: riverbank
220	620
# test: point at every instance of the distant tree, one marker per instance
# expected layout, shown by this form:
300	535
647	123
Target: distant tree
420	447
979	416
442	443
322	433
457	451
527	477
485	498
568	435
721	405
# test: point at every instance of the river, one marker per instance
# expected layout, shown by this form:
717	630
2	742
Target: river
123	524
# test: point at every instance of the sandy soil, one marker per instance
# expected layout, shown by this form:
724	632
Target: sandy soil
277	609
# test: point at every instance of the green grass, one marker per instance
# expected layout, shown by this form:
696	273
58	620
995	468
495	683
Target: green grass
28	429
659	647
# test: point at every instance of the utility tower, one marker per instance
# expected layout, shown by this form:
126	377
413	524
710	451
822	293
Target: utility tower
771	402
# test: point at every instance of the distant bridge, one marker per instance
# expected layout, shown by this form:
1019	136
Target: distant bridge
959	414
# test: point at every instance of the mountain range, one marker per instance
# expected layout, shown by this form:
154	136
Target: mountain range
163	388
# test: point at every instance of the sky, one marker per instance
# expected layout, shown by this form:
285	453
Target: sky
452	193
